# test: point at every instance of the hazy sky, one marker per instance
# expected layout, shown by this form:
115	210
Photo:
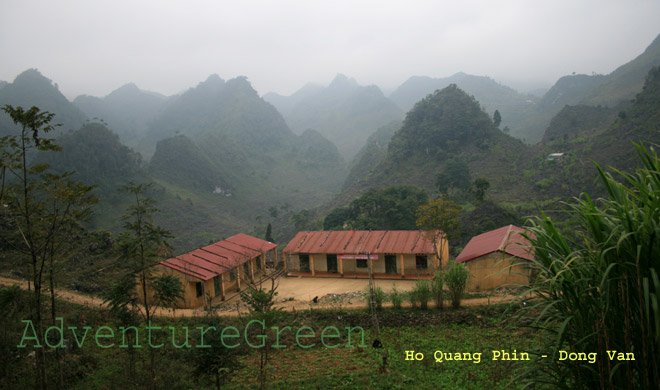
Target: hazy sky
95	46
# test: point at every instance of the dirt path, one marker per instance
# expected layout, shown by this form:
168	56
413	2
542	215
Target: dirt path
293	294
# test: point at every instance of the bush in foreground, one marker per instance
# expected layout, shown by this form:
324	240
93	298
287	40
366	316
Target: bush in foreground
597	286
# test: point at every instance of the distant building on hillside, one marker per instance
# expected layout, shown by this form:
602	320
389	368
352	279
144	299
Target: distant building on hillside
395	254
497	258
556	156
219	268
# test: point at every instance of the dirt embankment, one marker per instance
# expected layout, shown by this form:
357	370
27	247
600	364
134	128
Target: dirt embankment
293	294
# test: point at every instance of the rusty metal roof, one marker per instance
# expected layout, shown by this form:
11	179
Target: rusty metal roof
363	241
212	260
506	239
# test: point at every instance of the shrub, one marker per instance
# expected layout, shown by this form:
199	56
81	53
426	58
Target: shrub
396	297
422	293
597	286
379	297
412	298
456	279
437	288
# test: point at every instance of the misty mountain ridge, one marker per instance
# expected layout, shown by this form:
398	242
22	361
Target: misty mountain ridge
31	88
448	129
214	105
344	112
614	90
446	126
221	156
512	105
127	110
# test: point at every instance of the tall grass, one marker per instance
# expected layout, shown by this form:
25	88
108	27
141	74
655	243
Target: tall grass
379	297
456	278
437	288
596	284
396	297
421	293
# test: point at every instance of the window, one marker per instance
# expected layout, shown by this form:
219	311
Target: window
232	274
361	264
199	289
246	268
422	262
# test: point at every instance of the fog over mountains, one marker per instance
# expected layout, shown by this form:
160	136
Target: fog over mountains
225	159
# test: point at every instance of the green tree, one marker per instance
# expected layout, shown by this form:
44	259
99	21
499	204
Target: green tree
302	219
261	304
269	233
455	175
497	118
40	206
479	188
141	245
439	214
390	208
337	218
216	360
274	213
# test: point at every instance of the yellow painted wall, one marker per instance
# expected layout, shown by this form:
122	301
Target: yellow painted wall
190	291
495	270
410	262
190	298
350	266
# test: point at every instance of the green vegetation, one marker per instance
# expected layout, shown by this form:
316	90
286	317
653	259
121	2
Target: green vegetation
421	294
439	214
391	208
479	188
396	298
596	287
440	123
456	175
438	288
260	302
515	108
92	367
222	159
41	209
456	277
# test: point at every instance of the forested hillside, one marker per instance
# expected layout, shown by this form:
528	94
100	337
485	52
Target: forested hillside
222	157
444	130
514	107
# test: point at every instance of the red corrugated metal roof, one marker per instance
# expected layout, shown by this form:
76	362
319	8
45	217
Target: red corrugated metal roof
212	260
362	241
251	242
506	239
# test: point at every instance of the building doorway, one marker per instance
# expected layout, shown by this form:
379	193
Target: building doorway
390	264
332	263
304	263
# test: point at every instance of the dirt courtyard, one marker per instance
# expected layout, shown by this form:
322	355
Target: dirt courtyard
297	293
306	288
